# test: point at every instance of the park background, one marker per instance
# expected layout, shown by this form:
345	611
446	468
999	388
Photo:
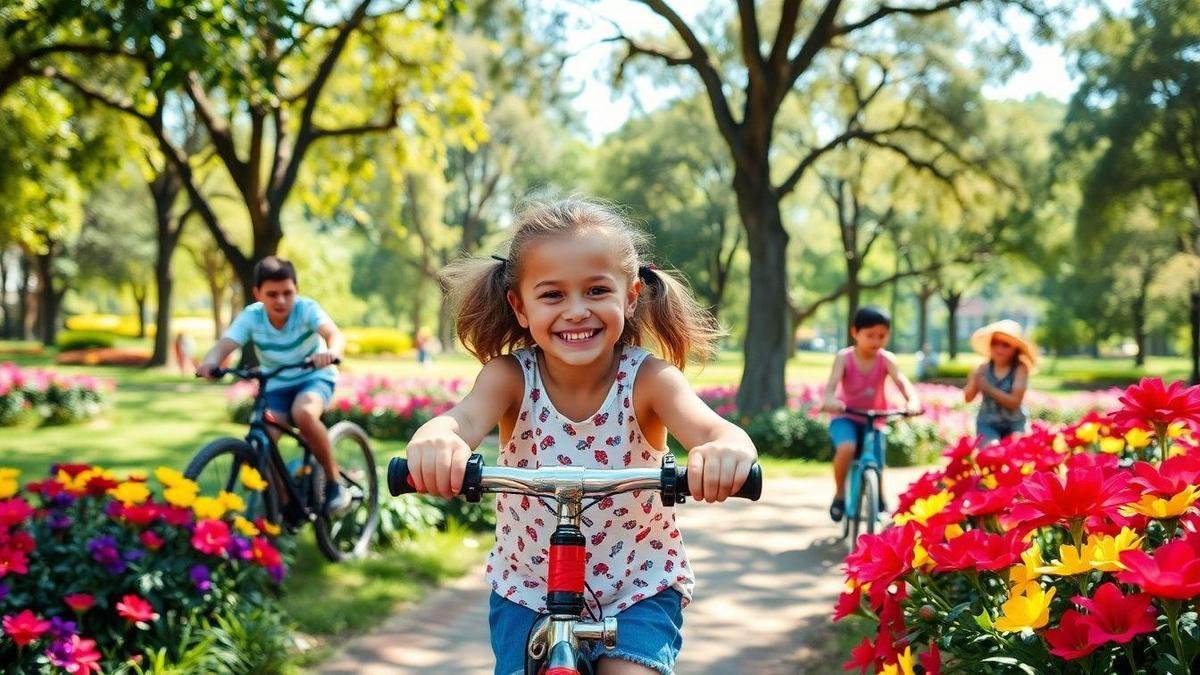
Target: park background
954	162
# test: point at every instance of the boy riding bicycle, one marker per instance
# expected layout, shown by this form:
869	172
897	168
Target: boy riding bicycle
287	328
858	380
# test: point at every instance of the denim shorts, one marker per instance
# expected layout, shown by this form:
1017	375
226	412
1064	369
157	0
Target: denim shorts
280	400
649	633
845	430
995	430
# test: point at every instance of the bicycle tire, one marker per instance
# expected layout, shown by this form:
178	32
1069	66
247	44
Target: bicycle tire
218	467
348	535
870	491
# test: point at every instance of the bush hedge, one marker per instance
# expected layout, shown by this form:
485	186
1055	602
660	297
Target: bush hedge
72	340
46	397
375	341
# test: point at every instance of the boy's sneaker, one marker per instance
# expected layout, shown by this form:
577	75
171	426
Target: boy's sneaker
337	499
837	509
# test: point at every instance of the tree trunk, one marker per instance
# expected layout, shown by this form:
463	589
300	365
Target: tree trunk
1138	318
1194	319
768	321
952	301
139	300
164	189
853	295
923	295
23	295
49	299
5	323
217	292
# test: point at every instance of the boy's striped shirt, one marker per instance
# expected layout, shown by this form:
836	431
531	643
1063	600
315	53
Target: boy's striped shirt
296	341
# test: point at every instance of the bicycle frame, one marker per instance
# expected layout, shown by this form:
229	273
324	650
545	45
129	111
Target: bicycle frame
866	458
555	640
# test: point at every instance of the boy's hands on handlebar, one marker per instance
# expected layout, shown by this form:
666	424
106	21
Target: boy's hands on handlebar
436	464
718	468
206	370
323	359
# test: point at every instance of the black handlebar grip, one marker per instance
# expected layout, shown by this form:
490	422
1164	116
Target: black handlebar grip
398	479
751	489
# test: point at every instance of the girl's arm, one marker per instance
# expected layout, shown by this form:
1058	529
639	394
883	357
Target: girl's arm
438	451
720	453
1010	401
831	404
907	390
973	379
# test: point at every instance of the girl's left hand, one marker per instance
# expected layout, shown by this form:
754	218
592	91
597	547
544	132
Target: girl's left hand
717	469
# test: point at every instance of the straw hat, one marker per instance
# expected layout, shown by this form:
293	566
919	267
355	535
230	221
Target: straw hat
1011	332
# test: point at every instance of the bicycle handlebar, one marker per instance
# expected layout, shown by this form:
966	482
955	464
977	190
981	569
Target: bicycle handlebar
546	481
257	374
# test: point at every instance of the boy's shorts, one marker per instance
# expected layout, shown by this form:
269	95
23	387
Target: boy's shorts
280	400
649	633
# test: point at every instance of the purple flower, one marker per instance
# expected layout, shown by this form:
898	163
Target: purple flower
3	591
113	510
276	573
104	551
199	575
61	629
240	549
59	520
61	500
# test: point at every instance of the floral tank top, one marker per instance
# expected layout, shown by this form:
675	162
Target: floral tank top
634	549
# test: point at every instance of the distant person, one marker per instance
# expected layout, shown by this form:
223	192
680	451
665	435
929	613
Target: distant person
424	348
185	352
858	380
287	328
927	363
1002	379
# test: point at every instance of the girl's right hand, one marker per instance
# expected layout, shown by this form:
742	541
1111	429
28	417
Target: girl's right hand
437	464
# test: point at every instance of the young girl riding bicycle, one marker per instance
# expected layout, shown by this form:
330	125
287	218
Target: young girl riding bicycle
559	324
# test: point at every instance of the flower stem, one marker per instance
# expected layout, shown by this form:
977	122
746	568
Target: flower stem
1129	656
1172	609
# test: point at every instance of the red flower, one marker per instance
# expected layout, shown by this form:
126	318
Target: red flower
1071	640
848	603
211	537
175	515
881	558
1173	572
1113	617
13	561
1084	493
25	627
80	602
862	657
1173	477
1149	403
14	512
264	554
18	541
139	514
977	550
98	486
987	502
46	488
71	470
150	540
136	610
932	660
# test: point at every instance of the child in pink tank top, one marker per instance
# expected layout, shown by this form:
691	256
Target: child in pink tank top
858	380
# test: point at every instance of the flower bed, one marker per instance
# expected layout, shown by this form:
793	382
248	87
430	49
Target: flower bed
49	397
109	356
98	573
387	407
1070	550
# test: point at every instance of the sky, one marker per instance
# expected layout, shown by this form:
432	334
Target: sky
604	112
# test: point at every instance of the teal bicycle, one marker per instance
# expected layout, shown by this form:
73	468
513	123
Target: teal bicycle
863	492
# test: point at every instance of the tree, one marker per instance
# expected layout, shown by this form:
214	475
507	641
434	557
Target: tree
763	83
1137	111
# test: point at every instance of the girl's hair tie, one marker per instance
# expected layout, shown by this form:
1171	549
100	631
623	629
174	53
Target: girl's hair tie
503	261
647	273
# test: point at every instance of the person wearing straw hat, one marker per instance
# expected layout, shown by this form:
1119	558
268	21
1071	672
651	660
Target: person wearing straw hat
1002	379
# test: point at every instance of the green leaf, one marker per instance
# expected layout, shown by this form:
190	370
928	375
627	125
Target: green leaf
984	621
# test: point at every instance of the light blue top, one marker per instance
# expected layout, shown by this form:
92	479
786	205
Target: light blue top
296	341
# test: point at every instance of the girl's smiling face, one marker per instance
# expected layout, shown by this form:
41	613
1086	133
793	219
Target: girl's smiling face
573	296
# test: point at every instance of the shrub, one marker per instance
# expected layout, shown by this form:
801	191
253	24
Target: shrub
112	356
71	340
48	397
372	341
791	434
106	573
1083	560
122	325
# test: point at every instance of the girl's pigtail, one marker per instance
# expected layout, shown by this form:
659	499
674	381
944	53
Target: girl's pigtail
667	310
477	292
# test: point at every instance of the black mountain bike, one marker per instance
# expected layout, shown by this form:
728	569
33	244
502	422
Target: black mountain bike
295	491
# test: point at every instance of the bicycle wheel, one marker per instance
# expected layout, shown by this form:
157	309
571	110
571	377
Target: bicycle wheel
218	467
868	499
348	535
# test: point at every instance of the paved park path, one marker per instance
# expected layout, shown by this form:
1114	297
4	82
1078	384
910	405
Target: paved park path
768	575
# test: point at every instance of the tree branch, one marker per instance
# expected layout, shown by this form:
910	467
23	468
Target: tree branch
121	105
888	10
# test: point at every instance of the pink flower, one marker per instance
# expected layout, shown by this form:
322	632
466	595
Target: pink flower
136	610
80	602
211	537
25	627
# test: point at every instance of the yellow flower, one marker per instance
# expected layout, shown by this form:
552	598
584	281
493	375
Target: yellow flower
989	481
1088	433
1027	610
207	507
168	477
953	530
252	479
181	495
130	493
1138	438
231	502
137	474
245	527
925	508
1060	445
273	529
1072	561
1111	445
1027	572
1176	429
1106	550
1028	468
902	666
8	482
1159	508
